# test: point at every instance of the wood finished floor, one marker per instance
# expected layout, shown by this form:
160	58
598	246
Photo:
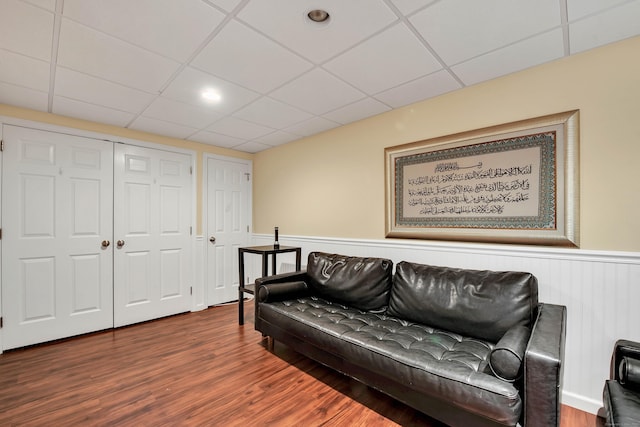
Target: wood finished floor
195	369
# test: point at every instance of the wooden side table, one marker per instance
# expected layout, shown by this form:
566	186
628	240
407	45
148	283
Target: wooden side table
264	251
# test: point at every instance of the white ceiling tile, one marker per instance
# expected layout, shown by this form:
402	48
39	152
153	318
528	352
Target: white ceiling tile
317	92
216	139
425	87
389	59
536	50
269	112
24	71
187	87
160	127
318	41
312	126
252	147
357	111
82	110
45	4
145	23
227	5
577	9
409	6
237	128
243	56
100	55
615	24
23	97
26	29
459	30
180	113
82	87
277	138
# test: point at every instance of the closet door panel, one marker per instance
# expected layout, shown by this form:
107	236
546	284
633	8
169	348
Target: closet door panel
57	277
152	223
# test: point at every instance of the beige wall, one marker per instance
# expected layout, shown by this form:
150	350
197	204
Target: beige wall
200	149
332	184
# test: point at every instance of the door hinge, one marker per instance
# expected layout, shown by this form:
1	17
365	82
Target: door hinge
190	170
248	175
191	290
1	322
0	233
1	144
247	228
191	231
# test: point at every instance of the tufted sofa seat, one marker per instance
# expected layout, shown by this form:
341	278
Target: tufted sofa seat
410	352
333	313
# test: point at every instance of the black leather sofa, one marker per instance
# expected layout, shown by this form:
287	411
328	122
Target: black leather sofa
466	347
621	393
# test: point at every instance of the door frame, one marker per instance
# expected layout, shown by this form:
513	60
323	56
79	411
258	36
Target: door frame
205	223
48	127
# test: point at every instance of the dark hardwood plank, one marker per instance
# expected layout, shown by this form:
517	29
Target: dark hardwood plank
193	369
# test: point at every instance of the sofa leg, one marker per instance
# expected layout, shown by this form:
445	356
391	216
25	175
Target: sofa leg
268	342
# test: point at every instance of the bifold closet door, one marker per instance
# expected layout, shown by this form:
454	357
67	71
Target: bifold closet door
152	220
57	220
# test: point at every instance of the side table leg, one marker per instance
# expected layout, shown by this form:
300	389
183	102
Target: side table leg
241	287
240	307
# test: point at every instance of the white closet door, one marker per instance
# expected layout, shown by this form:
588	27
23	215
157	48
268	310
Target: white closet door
152	220
56	212
228	195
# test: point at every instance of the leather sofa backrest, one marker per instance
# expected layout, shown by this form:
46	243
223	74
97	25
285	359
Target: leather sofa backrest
474	303
363	283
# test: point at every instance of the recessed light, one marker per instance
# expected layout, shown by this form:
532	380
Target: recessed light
318	15
211	95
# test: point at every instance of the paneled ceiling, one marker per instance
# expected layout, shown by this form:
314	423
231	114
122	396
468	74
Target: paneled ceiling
143	64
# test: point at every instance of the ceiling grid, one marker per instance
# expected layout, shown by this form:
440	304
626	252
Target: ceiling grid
280	77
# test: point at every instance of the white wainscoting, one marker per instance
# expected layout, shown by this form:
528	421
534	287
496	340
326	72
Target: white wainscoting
601	291
198	295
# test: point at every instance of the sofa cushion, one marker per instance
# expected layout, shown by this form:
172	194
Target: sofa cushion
363	283
282	290
508	354
476	303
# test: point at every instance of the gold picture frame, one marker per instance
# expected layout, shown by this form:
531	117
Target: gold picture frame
511	183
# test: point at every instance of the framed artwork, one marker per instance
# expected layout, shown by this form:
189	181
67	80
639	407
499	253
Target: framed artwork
512	183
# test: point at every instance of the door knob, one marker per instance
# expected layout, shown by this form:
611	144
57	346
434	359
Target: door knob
212	239
120	243
105	244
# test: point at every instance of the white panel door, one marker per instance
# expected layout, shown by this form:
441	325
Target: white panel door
56	213
228	209
152	225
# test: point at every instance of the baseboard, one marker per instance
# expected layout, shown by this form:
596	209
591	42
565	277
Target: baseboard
581	402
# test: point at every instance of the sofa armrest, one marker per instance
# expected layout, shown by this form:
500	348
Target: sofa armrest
295	276
292	276
282	291
625	364
622	349
543	367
